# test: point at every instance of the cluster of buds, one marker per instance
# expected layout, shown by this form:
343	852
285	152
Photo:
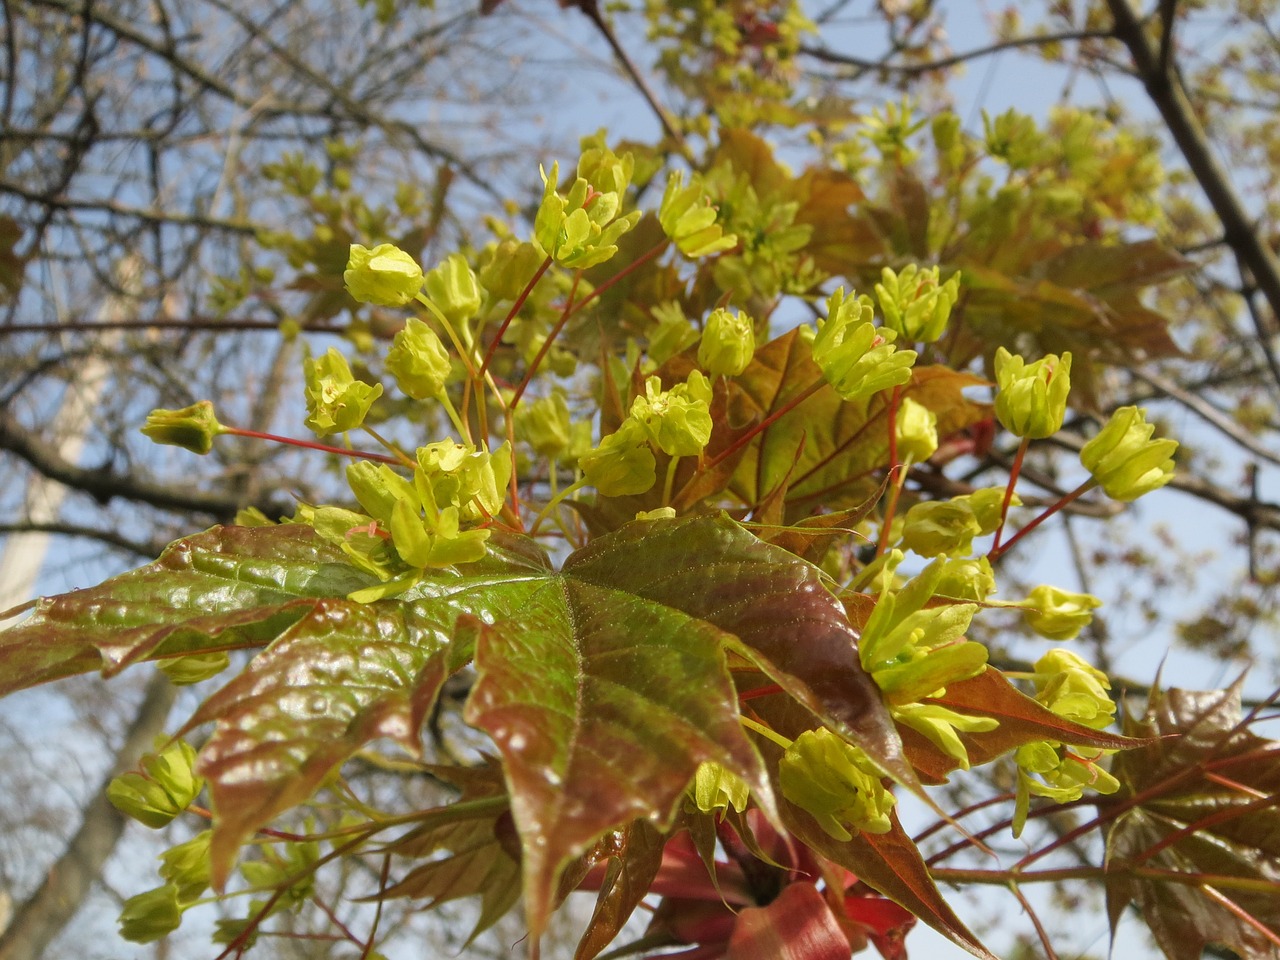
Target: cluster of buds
913	651
165	787
914	304
835	783
581	228
411	525
728	343
1123	458
689	219
676	421
857	358
1076	691
1058	614
1032	397
336	400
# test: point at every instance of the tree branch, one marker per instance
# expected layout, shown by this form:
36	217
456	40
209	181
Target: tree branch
1167	93
38	921
105	485
914	69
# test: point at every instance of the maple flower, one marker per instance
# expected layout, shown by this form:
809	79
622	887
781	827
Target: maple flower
857	358
192	428
167	785
1123	458
836	784
580	229
689	220
546	425
917	431
452	286
336	401
622	464
914	304
1058	614
152	915
728	343
677	420
419	361
1076	691
1032	397
385	276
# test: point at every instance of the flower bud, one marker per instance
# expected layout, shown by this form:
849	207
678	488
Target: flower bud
1058	614
151	916
385	276
336	401
187	866
1032	397
940	527
165	788
914	304
419	361
917	429
622	464
836	784
453	288
855	358
545	425
728	344
967	579
1123	458
192	428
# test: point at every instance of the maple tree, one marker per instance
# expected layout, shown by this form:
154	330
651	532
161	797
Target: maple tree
678	479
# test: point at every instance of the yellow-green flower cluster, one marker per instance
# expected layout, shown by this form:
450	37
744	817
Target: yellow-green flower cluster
1076	691
689	219
417	524
336	400
835	783
676	421
1032	397
947	527
165	787
914	304
855	357
581	228
1123	458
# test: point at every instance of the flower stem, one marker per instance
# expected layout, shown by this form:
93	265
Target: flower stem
1075	494
1008	490
553	503
312	445
765	732
897	471
396	452
511	314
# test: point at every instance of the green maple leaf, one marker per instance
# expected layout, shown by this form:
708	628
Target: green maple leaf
604	685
